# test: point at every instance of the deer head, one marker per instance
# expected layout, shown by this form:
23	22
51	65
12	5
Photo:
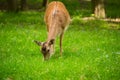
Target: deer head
47	48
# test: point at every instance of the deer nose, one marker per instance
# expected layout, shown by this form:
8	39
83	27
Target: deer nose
47	57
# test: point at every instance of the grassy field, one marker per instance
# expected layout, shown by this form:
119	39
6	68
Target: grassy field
91	49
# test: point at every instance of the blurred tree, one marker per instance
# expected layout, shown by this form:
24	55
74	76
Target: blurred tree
12	5
45	2
98	8
23	4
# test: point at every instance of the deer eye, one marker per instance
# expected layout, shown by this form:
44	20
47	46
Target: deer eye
48	50
43	49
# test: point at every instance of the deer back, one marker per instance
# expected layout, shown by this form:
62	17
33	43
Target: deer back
56	16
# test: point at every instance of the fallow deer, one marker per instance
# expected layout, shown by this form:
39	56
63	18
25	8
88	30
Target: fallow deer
57	19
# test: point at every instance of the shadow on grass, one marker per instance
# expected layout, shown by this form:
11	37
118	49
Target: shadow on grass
30	17
79	24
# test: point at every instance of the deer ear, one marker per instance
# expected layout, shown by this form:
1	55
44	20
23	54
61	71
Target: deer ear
51	41
38	43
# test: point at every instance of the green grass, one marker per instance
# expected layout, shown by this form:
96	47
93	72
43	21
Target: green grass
91	50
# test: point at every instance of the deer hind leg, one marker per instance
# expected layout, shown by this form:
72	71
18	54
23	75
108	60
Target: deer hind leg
61	37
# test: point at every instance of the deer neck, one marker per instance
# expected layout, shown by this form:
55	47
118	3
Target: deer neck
53	31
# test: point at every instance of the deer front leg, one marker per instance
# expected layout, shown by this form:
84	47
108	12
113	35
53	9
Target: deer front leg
61	37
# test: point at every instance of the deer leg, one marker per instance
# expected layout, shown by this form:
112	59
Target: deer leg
61	37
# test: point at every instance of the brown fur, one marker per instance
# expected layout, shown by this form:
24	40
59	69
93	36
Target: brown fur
57	19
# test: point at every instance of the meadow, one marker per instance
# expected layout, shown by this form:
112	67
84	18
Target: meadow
91	49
